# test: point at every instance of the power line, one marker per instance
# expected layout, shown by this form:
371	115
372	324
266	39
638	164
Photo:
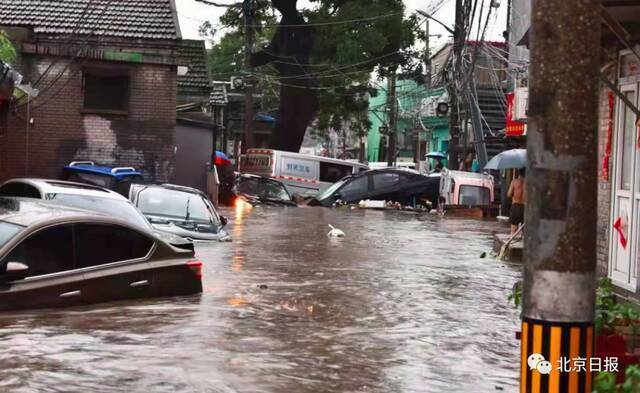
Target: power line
338	22
40	99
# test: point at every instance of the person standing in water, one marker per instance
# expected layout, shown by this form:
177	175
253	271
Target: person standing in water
518	200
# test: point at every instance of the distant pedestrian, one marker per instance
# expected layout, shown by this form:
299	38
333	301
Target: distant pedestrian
467	164
439	165
475	167
518	199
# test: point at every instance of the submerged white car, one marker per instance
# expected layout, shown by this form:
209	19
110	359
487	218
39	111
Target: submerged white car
87	197
183	211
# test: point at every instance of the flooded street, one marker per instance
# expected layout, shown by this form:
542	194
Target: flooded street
402	304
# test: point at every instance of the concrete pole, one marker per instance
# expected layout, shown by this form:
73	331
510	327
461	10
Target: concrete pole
248	98
427	65
454	119
427	55
392	108
560	238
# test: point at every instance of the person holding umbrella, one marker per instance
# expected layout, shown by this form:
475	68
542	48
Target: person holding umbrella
436	155
513	159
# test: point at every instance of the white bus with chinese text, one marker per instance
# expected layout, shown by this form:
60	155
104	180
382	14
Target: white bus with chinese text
302	174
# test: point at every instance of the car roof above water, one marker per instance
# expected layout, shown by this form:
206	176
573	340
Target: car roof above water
392	170
47	186
172	187
28	211
90	167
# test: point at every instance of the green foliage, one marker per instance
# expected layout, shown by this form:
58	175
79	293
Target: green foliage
226	58
7	51
605	382
351	41
516	294
609	312
606	305
352	52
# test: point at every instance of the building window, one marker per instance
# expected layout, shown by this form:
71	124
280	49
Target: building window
106	90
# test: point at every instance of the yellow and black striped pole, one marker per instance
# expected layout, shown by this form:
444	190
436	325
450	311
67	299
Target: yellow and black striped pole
561	192
559	344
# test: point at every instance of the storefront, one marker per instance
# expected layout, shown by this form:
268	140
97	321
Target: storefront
624	239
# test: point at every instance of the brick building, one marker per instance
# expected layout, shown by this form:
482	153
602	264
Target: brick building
107	75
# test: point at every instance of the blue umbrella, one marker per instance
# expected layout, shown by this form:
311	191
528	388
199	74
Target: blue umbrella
510	159
436	154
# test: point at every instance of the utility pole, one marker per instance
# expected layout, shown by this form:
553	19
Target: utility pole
560	237
248	85
454	119
427	55
427	84
392	110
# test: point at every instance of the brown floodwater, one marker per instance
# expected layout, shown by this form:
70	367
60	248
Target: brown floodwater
403	303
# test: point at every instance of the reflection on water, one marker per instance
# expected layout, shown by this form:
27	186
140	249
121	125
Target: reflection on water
402	304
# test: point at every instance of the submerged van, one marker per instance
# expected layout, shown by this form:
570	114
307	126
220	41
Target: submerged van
466	188
301	173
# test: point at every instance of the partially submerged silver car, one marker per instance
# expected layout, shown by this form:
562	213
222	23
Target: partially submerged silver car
183	211
88	197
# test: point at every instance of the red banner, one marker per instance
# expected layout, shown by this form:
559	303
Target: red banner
513	127
607	151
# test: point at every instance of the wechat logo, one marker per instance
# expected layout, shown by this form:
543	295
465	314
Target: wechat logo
538	362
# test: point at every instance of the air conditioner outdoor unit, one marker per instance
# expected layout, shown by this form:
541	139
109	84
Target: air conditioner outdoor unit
237	83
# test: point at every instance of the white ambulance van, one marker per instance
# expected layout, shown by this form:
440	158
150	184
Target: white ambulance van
302	174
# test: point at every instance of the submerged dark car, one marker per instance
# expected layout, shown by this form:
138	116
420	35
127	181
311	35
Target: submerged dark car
261	190
51	256
183	211
390	184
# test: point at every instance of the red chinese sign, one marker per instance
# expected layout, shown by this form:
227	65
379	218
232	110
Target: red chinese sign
513	127
607	149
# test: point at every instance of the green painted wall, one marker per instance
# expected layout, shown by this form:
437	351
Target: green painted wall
410	97
377	116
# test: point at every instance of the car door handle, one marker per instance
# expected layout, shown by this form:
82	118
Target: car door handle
67	295
139	284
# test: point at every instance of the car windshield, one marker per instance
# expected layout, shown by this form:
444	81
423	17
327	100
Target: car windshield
8	231
121	209
473	195
176	204
263	188
332	189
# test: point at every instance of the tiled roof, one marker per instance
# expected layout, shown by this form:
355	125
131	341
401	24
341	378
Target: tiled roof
192	53
140	19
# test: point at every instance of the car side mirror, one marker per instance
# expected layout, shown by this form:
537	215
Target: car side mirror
224	221
16	271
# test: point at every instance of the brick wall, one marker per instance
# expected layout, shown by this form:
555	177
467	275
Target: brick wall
62	132
604	186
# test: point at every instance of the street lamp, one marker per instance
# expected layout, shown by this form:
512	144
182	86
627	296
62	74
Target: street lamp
427	55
